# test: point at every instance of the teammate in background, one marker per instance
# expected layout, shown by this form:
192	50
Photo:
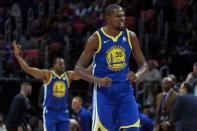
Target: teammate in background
56	86
115	106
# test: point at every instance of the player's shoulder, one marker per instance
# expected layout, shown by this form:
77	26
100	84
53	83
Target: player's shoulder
131	33
47	70
69	72
93	38
46	73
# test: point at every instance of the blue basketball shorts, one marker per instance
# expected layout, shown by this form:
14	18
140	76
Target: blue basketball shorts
115	108
55	120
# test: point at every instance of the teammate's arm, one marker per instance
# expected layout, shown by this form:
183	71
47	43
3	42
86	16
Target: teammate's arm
73	75
139	57
85	59
35	72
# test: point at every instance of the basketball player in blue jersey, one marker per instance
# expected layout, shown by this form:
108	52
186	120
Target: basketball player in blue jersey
114	104
56	83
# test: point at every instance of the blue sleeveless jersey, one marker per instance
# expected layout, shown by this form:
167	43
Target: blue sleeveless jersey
56	92
112	57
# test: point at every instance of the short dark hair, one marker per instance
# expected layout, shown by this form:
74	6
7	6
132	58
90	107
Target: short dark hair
25	84
55	60
110	9
189	87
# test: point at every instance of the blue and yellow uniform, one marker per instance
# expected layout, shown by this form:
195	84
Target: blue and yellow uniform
55	113
114	107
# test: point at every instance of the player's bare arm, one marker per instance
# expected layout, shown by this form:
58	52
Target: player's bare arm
85	59
139	57
73	75
35	72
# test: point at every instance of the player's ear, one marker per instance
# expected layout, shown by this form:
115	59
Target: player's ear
107	19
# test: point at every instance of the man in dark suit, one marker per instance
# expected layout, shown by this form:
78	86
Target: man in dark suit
20	104
164	103
184	111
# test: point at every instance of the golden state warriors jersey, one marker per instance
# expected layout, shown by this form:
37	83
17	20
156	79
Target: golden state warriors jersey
112	57
56	91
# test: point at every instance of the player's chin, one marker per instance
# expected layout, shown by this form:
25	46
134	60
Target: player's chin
62	70
121	28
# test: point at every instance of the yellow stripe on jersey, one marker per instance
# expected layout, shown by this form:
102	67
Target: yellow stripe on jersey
136	124
129	39
49	81
114	39
100	44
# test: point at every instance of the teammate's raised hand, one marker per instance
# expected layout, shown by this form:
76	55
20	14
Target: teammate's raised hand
16	48
103	82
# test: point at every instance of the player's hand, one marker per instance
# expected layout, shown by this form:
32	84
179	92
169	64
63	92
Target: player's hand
103	82
131	77
16	48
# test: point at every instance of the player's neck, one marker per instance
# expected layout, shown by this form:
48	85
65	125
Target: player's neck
111	31
58	73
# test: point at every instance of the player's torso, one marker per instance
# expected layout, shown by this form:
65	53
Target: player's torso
56	91
113	56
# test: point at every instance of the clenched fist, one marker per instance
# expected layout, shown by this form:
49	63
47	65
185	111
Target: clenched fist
131	76
104	82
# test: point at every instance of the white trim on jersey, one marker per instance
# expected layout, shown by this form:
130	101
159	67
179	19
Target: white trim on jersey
95	113
44	119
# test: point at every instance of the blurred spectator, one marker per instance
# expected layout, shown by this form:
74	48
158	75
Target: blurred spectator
3	17
2	125
192	78
81	10
6	55
83	116
28	41
20	104
151	81
15	10
165	101
36	28
174	82
184	109
153	75
95	6
34	123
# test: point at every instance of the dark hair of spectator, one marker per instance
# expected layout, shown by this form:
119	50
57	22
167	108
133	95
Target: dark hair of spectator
79	99
189	87
25	84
